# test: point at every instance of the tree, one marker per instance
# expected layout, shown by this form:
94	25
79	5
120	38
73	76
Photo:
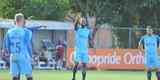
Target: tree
39	9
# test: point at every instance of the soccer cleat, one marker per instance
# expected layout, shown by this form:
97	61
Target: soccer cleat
29	78
15	78
73	79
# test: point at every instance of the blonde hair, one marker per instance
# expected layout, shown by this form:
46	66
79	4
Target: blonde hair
18	17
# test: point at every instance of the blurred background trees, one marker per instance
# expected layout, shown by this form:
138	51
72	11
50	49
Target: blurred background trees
119	13
124	13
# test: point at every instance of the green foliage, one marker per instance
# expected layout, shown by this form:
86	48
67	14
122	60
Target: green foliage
119	13
38	9
122	12
116	12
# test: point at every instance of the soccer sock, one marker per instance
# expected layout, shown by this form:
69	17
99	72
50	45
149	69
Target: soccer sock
15	78
149	74
19	76
83	75
84	72
29	78
74	71
158	75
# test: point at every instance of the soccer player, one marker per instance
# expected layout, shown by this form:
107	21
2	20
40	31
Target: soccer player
82	37
149	44
18	44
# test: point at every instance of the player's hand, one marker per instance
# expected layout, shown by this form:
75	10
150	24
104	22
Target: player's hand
77	17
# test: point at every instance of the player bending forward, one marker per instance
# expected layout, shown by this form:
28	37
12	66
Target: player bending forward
82	37
149	44
18	44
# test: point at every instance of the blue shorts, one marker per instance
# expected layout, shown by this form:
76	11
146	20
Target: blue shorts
152	62
81	57
20	66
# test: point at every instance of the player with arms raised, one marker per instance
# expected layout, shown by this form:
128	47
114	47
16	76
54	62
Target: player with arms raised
149	44
18	44
82	37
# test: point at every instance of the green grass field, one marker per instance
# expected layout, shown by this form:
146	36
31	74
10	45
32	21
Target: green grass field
92	75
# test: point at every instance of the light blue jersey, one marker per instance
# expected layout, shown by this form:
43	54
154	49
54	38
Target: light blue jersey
18	44
150	44
81	39
81	44
18	41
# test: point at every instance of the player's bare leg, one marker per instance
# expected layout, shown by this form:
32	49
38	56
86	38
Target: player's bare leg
149	74
84	66
75	70
158	74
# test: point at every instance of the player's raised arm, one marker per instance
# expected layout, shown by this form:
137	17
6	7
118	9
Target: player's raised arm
93	32
32	28
76	21
95	29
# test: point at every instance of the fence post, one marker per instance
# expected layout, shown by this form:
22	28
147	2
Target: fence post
130	38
